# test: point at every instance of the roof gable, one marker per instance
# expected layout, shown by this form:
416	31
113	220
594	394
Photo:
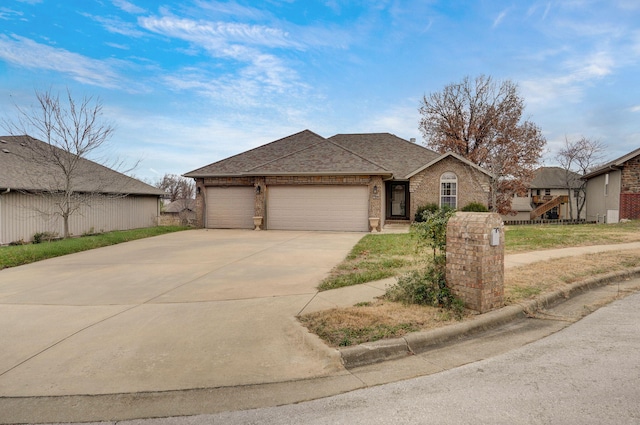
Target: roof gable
306	153
616	163
321	158
395	154
253	158
453	155
554	178
22	167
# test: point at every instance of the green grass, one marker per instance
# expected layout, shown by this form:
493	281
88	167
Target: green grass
533	238
11	256
378	257
374	257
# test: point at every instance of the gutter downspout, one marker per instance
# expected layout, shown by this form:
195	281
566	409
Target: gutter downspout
2	193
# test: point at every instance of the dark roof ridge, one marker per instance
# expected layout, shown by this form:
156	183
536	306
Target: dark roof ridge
358	155
259	147
386	133
290	153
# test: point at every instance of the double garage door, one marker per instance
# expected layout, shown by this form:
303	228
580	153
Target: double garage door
340	208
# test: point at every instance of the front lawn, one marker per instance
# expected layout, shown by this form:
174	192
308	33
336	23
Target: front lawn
394	254
11	256
380	256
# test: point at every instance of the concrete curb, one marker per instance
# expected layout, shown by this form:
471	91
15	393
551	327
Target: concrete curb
419	342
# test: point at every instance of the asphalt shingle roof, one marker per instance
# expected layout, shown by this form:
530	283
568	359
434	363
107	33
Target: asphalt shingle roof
554	178
393	153
308	153
22	168
616	163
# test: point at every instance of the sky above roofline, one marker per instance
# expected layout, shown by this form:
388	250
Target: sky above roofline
188	83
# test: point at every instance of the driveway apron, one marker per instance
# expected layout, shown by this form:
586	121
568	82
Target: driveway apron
194	309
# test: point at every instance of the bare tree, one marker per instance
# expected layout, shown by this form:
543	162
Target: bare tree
579	156
71	131
481	120
177	187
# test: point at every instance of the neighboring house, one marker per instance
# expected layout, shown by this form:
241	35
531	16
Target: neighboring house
552	195
30	199
348	182
180	211
613	190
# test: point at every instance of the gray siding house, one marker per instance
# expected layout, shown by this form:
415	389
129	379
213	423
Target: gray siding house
613	190
30	195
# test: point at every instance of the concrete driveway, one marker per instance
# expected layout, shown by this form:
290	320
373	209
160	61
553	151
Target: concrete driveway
195	309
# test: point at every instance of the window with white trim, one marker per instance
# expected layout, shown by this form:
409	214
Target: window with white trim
449	190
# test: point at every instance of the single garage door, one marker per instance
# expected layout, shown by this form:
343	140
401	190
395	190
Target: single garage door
230	207
343	208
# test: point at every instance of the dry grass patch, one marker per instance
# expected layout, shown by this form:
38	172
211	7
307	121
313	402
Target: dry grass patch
367	322
383	319
526	282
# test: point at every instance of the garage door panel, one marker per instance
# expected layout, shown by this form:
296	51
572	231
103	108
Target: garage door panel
343	208
230	207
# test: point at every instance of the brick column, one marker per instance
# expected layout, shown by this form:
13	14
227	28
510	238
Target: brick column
475	267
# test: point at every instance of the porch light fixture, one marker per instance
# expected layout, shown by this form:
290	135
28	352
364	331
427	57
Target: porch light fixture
375	189
258	189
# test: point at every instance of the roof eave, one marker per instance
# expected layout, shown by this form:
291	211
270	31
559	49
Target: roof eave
293	173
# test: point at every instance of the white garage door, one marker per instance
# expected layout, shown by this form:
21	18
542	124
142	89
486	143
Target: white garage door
343	208
230	207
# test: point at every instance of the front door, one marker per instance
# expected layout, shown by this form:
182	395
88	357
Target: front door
397	200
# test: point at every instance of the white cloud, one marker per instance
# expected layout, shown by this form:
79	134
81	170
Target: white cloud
27	53
216	35
499	18
569	84
259	72
128	7
118	26
635	108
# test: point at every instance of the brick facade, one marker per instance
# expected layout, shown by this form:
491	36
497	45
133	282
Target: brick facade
630	206
630	190
424	187
374	183
475	269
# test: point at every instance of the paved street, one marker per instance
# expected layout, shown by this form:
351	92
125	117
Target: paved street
587	373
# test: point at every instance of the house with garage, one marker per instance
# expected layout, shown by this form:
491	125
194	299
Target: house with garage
32	194
347	182
613	190
553	194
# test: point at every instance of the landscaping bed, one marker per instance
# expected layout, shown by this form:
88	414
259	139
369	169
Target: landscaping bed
385	319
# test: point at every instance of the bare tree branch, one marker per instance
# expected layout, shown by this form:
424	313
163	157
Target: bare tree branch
481	120
71	130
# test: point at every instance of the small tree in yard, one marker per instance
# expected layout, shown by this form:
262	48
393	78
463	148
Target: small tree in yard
177	187
71	131
579	156
428	286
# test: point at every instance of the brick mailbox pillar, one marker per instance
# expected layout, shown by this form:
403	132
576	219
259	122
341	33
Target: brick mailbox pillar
475	259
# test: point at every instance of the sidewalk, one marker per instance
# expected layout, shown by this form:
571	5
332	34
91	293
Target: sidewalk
348	296
418	354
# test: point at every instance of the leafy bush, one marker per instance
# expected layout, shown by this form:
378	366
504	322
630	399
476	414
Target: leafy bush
426	287
424	208
44	237
432	232
475	207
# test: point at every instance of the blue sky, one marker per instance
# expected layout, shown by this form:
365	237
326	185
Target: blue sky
187	83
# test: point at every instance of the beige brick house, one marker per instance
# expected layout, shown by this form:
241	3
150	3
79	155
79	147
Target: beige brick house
347	182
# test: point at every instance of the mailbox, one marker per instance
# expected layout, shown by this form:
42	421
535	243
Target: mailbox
495	236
